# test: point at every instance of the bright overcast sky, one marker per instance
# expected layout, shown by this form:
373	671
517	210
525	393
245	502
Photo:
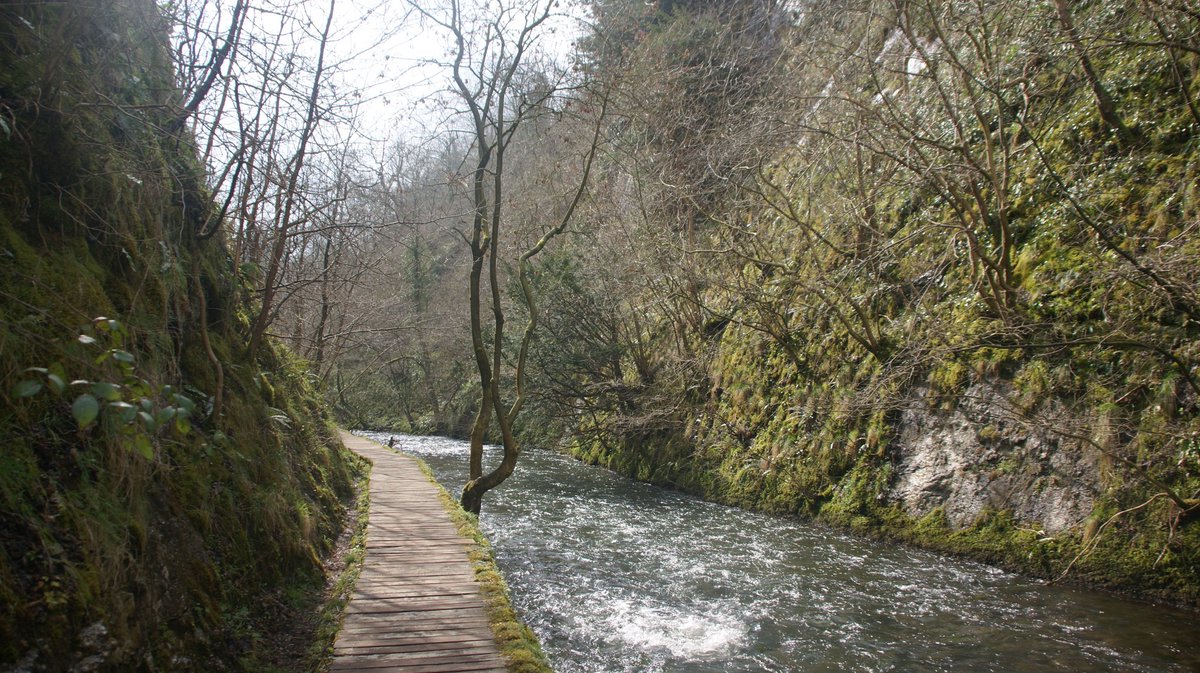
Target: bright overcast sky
385	54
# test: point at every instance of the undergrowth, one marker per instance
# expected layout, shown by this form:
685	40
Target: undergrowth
158	489
337	594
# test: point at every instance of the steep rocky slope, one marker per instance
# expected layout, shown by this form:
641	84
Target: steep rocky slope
157	488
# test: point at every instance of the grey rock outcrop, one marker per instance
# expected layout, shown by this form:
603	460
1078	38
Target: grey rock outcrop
984	456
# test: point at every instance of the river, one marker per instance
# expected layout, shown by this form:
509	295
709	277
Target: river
618	576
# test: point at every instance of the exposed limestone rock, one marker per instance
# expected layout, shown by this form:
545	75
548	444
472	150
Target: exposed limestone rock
979	457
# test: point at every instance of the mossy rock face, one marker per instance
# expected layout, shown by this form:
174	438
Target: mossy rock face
134	546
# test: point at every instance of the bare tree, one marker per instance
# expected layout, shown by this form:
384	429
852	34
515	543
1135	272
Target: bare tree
262	94
492	48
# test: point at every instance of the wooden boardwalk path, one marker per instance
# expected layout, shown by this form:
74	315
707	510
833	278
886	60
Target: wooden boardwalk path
416	607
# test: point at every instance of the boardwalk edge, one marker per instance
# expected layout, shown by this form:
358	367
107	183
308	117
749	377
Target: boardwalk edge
338	590
518	643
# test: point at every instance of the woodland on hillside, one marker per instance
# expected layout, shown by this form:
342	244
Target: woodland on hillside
768	252
770	239
159	482
808	226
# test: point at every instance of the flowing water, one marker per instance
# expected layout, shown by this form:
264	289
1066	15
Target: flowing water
614	575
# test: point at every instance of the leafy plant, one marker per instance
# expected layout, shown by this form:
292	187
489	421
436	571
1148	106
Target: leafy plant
132	406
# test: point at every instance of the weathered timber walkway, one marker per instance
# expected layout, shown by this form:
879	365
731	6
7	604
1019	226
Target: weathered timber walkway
416	607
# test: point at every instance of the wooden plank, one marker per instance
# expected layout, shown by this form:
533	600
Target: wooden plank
382	583
425	635
419	573
410	662
370	627
401	665
452	643
367	623
416	604
416	607
378	592
361	639
405	661
481	667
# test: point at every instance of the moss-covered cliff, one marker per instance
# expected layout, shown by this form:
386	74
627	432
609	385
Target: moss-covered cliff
957	305
156	487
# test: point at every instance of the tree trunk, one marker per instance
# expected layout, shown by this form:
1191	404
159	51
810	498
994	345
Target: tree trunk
1104	102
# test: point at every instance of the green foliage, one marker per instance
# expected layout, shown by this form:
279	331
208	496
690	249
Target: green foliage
135	408
128	501
338	595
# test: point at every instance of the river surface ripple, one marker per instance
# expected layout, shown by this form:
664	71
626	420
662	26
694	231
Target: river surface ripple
618	576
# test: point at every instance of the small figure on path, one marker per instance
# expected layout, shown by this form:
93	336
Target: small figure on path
391	442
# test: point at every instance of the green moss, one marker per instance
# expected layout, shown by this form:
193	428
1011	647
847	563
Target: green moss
948	377
173	540
336	599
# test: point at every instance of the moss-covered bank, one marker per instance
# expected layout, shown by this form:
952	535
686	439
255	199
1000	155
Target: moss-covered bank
155	484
